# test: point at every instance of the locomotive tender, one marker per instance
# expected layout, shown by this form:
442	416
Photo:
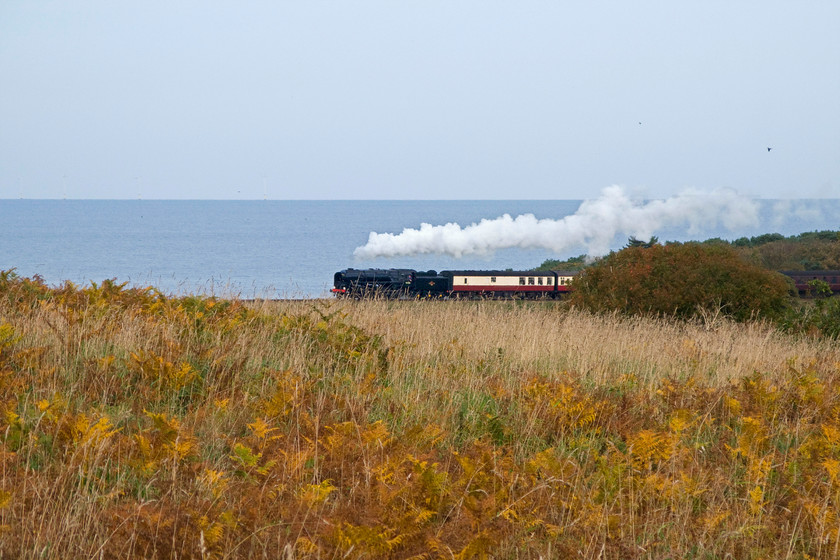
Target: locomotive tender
408	283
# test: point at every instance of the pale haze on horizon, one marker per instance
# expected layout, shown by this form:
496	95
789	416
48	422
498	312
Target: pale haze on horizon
418	100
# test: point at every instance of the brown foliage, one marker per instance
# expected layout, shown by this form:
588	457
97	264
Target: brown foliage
681	280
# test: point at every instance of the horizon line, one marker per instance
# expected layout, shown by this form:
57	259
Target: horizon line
65	199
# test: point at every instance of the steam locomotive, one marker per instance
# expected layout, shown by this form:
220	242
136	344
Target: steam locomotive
471	284
495	284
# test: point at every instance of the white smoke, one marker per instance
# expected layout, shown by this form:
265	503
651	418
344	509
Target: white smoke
593	226
806	211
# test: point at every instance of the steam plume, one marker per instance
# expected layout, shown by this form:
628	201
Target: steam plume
593	226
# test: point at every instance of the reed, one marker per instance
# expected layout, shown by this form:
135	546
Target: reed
135	424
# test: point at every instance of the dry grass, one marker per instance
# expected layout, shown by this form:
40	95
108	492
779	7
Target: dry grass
541	338
136	425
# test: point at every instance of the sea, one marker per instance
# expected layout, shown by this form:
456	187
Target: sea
288	249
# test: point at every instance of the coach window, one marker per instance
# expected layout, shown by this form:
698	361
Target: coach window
539	280
530	280
492	279
465	280
521	280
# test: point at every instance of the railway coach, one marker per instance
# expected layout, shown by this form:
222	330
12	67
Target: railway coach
803	279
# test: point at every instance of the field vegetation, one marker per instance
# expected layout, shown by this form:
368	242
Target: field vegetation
139	425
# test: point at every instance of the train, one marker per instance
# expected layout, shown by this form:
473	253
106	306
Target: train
803	279
468	284
406	283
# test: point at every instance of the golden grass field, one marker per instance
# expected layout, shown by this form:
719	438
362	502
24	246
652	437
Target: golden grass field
137	425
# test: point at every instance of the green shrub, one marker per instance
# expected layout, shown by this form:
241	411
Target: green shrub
681	280
573	263
818	314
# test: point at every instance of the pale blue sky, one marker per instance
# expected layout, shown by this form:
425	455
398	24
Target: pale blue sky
411	99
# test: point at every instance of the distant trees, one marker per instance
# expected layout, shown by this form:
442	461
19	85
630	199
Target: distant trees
633	242
813	250
758	240
808	254
681	280
572	264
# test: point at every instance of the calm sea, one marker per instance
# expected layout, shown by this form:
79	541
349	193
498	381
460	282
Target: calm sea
279	248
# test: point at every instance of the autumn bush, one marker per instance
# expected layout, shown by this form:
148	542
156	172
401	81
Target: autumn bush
135	424
681	280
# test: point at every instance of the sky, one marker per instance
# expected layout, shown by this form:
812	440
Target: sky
418	99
